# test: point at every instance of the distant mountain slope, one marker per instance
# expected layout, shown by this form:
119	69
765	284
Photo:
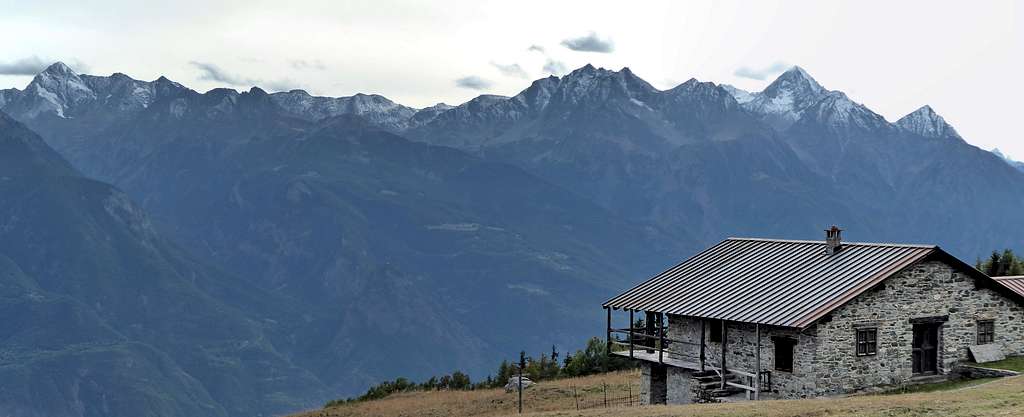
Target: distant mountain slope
712	161
406	258
384	240
103	317
689	159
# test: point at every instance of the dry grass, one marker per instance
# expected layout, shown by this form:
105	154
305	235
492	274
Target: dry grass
545	396
1003	397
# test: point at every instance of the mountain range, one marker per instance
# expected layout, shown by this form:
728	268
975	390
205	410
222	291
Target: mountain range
171	252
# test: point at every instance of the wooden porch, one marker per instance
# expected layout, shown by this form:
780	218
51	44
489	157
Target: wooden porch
651	343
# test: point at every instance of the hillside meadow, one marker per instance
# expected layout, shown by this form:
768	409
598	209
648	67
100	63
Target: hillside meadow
996	397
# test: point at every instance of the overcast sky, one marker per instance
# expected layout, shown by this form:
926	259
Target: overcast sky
964	58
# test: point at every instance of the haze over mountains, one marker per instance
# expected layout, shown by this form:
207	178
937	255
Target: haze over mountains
271	251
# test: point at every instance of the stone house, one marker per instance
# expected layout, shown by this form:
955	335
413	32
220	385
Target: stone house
811	318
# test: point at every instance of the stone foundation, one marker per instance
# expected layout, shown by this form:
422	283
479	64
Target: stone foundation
678	386
653	383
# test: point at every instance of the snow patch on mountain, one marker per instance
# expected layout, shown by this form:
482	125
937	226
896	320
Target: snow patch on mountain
742	96
375	108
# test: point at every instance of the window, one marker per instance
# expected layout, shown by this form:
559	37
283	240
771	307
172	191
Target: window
784	354
715	331
867	342
986	332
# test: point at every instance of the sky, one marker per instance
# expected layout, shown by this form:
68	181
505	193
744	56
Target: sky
965	59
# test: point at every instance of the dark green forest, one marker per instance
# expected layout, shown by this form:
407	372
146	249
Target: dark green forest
1001	264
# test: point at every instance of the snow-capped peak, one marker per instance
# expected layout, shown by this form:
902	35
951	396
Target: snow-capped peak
54	90
925	122
784	100
598	84
794	80
59	69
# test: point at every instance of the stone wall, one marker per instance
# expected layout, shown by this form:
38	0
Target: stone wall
652	383
740	353
645	383
927	289
678	386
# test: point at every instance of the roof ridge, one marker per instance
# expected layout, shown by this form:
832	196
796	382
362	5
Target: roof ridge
822	242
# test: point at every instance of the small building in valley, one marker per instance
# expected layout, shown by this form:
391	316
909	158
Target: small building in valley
812	318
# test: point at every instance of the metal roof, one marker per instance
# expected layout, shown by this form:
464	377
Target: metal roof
788	283
1014	283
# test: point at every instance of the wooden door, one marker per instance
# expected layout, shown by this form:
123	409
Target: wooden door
926	348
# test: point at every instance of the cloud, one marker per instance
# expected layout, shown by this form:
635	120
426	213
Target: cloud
33	65
554	67
761	73
302	64
536	48
25	66
589	43
211	72
473	82
511	70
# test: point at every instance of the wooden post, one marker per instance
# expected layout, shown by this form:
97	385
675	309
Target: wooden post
702	343
702	340
522	364
650	322
630	333
575	397
725	341
661	335
608	337
605	384
757	362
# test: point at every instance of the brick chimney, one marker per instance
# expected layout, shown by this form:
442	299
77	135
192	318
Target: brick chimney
833	240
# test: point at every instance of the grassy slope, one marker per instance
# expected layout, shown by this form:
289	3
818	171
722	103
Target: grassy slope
1001	397
546	396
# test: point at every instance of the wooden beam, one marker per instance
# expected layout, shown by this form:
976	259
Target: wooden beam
608	337
757	362
725	342
702	343
630	333
661	334
649	327
748	388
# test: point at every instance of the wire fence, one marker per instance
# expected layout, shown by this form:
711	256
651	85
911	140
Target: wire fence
603	399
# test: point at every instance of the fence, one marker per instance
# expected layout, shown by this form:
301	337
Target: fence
603	399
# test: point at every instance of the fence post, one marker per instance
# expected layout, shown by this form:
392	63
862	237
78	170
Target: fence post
575	398
630	393
605	384
522	364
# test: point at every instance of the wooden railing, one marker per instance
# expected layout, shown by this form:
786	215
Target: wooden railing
638	339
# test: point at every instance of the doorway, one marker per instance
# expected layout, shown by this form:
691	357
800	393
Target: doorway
926	348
